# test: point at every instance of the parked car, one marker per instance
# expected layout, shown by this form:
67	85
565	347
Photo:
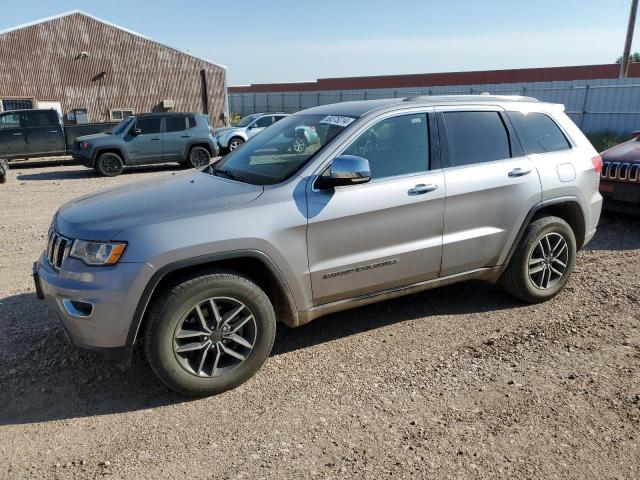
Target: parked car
620	178
199	266
230	138
146	139
40	133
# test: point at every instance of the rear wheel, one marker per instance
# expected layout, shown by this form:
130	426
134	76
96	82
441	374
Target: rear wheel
210	334
198	157
542	262
109	164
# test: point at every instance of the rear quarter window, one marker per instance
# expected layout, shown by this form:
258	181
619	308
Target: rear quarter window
538	133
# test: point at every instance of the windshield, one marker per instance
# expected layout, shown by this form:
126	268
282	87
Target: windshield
122	126
245	121
282	149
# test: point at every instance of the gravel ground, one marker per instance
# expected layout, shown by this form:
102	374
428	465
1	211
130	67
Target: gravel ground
460	382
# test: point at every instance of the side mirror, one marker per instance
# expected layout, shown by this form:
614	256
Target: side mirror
135	131
345	170
252	126
635	134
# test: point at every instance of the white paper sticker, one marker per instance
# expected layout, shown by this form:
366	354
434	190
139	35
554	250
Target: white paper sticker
337	120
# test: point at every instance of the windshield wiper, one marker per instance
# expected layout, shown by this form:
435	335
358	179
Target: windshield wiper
229	174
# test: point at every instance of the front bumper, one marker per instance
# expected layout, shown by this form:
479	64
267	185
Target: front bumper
621	197
79	157
93	304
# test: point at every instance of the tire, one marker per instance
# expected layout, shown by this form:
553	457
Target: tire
109	164
198	157
532	254
299	145
173	323
234	143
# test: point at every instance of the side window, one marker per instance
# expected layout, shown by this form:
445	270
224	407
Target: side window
174	123
41	118
9	120
263	122
149	125
538	133
278	117
192	121
476	137
394	146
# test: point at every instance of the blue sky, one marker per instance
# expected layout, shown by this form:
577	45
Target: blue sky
285	41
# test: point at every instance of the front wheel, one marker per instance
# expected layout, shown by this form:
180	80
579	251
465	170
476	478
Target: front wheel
210	334
542	262
235	143
109	164
299	145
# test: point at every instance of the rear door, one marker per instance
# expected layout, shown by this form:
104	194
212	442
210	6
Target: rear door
175	137
388	232
44	134
491	187
12	137
146	147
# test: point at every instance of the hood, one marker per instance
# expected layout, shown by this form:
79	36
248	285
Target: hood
220	131
102	215
93	136
628	151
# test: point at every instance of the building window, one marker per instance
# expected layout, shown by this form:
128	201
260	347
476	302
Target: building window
16	104
118	114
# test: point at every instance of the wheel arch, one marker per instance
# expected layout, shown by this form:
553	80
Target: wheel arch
113	149
253	264
567	208
197	143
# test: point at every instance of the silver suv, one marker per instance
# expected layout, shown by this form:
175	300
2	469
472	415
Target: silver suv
230	138
395	197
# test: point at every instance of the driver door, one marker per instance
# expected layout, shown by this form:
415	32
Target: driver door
382	234
146	146
259	125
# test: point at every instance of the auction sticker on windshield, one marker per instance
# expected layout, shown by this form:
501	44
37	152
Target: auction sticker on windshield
337	120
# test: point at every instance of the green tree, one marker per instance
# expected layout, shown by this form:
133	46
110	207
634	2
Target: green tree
633	58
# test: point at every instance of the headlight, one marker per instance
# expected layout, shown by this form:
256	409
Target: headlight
97	253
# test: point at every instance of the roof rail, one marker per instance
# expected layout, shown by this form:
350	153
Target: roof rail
484	96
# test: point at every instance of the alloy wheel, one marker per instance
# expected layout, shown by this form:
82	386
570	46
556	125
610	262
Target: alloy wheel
233	144
110	164
200	158
214	337
548	261
299	145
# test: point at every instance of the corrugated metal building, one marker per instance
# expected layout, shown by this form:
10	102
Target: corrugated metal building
77	61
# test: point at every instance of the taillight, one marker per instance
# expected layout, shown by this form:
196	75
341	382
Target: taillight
597	163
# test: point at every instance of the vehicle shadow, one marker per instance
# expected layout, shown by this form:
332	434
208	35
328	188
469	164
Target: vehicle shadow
44	378
90	173
616	232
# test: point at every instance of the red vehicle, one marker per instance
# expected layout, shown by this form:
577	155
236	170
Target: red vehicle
620	177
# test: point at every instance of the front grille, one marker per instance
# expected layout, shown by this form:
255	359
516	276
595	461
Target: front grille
58	249
621	171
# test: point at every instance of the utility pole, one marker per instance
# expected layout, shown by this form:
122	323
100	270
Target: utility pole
624	65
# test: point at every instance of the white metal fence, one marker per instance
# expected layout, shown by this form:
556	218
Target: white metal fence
606	105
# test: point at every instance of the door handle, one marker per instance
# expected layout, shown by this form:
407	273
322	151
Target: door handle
17	134
155	138
53	131
185	136
519	172
421	189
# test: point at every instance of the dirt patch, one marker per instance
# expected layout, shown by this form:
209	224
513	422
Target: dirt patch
459	382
